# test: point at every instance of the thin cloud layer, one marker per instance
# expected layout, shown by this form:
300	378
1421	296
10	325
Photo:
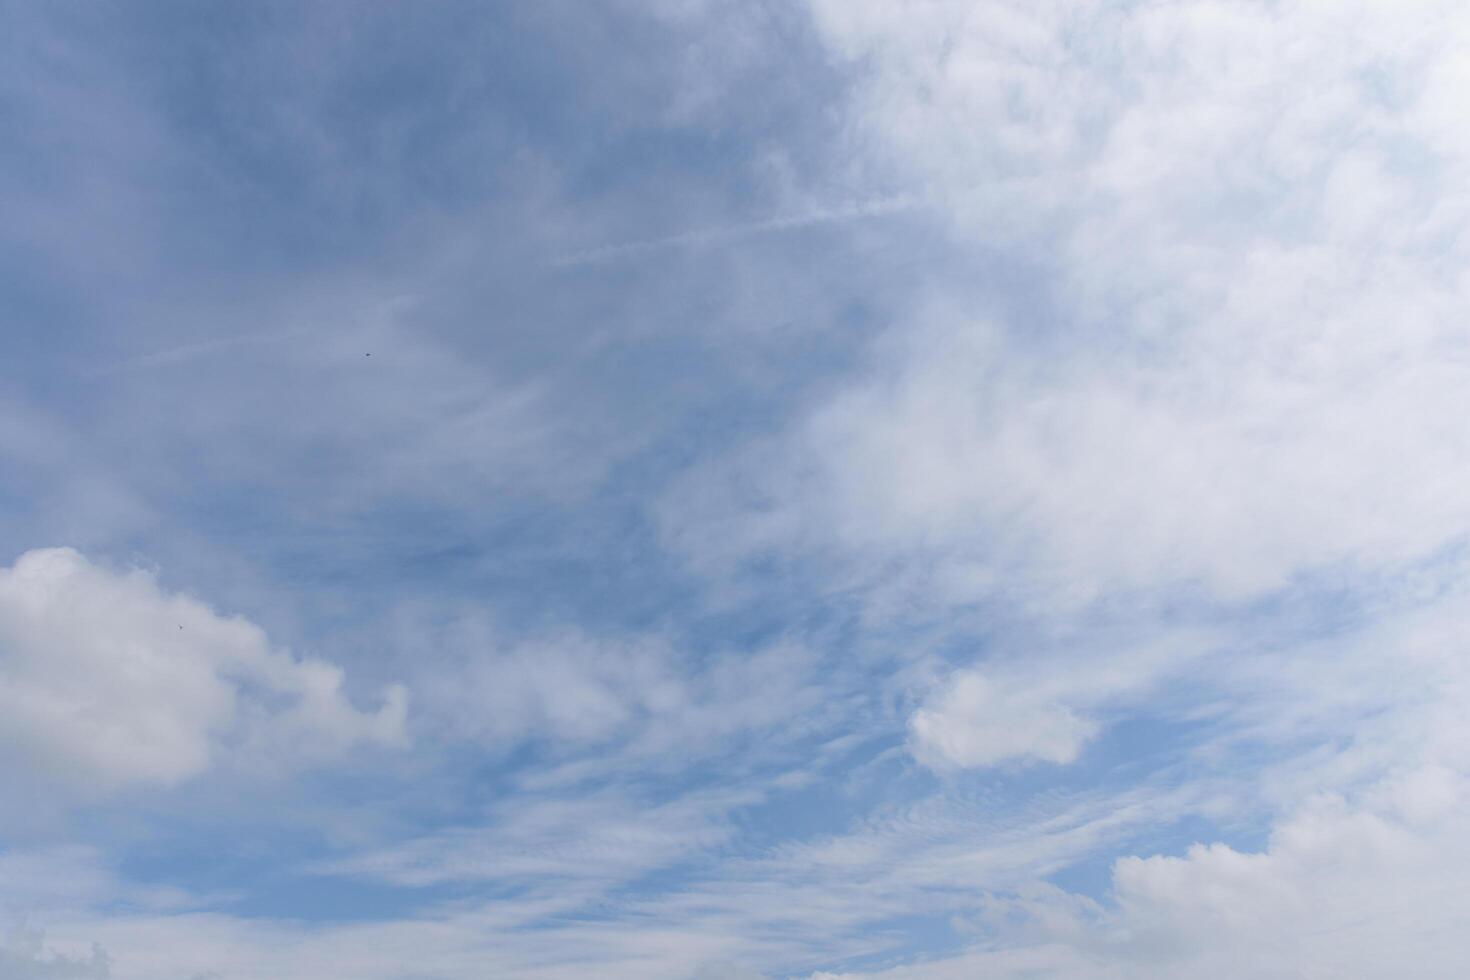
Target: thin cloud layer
1250	363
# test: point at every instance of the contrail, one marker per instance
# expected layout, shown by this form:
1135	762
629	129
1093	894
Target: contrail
853	212
188	352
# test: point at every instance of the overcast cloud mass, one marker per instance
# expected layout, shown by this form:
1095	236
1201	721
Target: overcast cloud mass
709	490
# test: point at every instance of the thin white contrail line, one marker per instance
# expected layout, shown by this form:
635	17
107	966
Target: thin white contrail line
704	236
189	352
603	253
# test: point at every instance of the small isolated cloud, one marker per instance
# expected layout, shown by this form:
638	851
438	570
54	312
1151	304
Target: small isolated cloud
974	722
107	681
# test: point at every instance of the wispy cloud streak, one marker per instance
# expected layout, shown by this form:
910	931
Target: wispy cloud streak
877	208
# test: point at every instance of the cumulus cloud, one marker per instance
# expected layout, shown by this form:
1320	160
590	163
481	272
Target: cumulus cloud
974	722
107	681
1341	883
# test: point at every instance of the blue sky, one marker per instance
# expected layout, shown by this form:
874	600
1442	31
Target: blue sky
709	490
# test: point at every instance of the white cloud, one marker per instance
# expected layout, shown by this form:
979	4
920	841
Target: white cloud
1346	888
108	681
974	722
1248	221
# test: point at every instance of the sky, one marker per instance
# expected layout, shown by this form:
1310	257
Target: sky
734	489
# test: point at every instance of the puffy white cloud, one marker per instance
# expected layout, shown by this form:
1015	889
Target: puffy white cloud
107	681
1346	888
974	722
